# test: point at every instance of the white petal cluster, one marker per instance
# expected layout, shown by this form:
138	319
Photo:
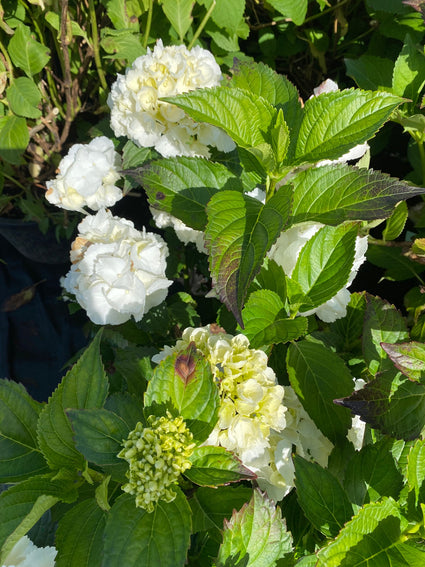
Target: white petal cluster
138	113
26	554
286	250
329	86
262	422
183	232
117	271
357	431
86	177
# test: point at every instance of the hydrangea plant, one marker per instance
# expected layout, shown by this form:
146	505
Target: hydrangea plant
285	425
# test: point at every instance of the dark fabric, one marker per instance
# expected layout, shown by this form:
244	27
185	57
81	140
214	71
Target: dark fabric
38	338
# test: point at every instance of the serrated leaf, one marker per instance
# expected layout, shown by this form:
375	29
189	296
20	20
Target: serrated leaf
23	504
245	117
409	71
332	194
416	468
79	536
266	320
324	265
179	14
383	324
396	222
317	375
214	466
184	380
409	358
337	121
271	276
369	536
371	72
350	327
256	533
129	408
394	405
239	233
84	386
182	186
27	53
20	456
98	435
321	497
372	473
124	14
398	267
294	10
210	506
24	97
135	538
14	138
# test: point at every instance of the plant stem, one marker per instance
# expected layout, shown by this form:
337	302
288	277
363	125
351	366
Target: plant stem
422	156
326	11
148	25
202	24
95	43
15	182
8	62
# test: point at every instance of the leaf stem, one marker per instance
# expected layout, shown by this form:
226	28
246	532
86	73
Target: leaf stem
202	24
148	25
95	44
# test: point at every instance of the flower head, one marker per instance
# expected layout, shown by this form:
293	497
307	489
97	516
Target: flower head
117	272
26	554
157	456
138	112
87	177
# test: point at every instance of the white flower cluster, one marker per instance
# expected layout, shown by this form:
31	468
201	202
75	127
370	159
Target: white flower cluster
286	250
87	177
26	554
138	113
259	420
183	232
117	271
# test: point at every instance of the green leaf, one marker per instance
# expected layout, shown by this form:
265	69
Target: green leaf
321	497
210	506
409	71
182	186
84	386
214	466
318	376
266	320
24	96
14	138
397	266
127	407
271	276
27	53
135	538
135	366
371	72
280	138
225	14
185	381
416	469
124	14
409	358
245	117
256	533
335	122
240	232
294	10
79	536
350	328
99	434
383	324
128	45
179	14
20	456
372	473
332	194
324	265
394	405
23	504
395	224
367	539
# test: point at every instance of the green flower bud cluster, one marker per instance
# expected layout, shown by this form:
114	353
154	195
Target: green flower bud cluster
157	455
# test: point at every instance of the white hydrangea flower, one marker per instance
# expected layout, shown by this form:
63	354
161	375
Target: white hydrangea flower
26	554
138	113
355	153
183	232
286	250
86	177
358	427
117	272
